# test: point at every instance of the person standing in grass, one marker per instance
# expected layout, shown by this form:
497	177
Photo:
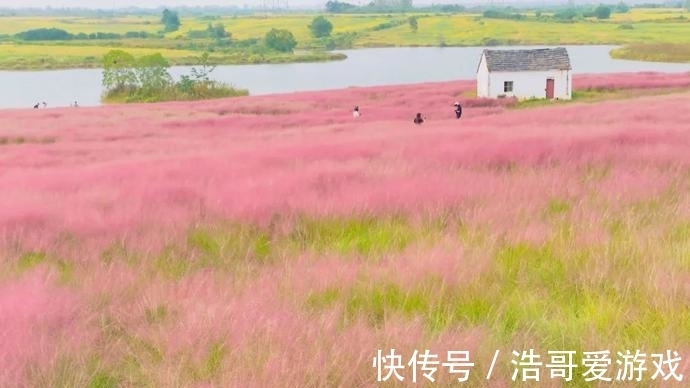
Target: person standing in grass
458	109
355	112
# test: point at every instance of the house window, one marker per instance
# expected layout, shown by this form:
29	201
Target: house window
507	87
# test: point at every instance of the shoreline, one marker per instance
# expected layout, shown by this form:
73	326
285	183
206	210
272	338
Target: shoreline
625	81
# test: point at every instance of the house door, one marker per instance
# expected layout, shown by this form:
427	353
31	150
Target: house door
549	88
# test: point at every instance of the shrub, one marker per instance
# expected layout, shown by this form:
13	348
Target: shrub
320	27
44	34
280	40
602	12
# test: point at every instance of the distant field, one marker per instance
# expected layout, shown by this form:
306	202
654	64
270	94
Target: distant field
75	25
651	14
275	241
465	30
660	52
659	26
20	57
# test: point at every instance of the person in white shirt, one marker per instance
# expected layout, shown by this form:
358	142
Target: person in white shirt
355	112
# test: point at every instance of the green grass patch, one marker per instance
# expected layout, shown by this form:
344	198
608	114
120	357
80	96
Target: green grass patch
654	52
366	236
67	372
233	246
557	207
230	244
562	296
173	263
33	259
375	303
324	299
103	380
65	270
119	252
210	367
199	91
213	361
30	260
680	233
156	315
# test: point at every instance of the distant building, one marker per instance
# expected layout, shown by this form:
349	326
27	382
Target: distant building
537	73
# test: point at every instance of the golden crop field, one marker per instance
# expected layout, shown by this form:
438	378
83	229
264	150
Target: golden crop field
26	56
649	14
24	50
75	25
246	27
468	30
656	26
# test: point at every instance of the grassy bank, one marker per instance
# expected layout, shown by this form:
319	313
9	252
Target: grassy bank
655	52
199	91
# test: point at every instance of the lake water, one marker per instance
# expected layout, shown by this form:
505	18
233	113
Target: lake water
363	67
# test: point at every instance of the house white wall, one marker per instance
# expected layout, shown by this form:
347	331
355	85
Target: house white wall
483	85
525	84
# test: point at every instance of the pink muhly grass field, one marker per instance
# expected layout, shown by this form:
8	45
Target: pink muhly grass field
277	241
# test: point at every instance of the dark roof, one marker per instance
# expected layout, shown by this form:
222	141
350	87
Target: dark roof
527	60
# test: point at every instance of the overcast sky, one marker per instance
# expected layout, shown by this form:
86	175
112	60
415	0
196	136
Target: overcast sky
108	4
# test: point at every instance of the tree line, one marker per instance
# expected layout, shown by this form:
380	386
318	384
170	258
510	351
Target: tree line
39	34
169	19
565	14
389	6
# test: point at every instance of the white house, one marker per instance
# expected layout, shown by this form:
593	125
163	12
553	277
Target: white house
535	73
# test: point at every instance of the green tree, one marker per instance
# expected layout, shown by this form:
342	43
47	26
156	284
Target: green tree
320	27
152	73
170	20
412	21
201	74
338	7
391	5
621	7
280	40
118	71
219	31
602	12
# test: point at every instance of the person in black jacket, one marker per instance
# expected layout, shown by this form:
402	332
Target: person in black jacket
458	110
